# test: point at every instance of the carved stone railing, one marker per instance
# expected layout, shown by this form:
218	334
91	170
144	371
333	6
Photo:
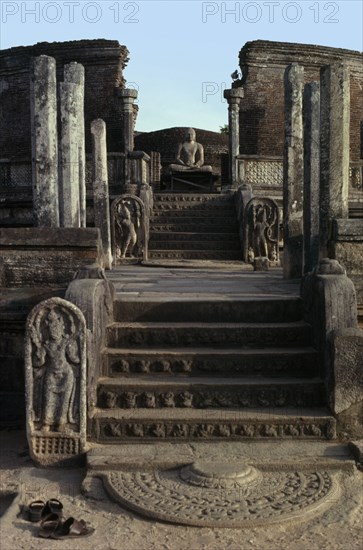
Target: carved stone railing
267	173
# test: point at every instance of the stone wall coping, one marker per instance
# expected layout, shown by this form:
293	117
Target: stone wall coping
44	237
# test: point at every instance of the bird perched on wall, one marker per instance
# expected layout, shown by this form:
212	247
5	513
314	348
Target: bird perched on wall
235	75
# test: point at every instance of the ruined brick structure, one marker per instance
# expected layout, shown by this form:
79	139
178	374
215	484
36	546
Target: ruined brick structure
262	109
263	64
104	62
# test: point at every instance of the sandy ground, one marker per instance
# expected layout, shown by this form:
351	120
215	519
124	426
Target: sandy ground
339	527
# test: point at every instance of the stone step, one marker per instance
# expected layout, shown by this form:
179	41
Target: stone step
183	362
196	225
231	255
196	198
204	393
193	245
189	216
194	237
116	426
282	309
209	334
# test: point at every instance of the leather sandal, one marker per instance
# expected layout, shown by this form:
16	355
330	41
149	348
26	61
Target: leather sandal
53	528
52	506
38	510
34	510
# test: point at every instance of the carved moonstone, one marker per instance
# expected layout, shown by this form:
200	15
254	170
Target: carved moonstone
55	369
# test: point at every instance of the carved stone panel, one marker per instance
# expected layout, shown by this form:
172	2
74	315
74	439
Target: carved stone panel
129	229
55	367
261	230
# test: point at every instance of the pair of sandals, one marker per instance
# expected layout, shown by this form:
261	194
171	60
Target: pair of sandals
52	526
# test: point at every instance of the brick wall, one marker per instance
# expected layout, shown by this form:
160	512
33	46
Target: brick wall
104	61
262	109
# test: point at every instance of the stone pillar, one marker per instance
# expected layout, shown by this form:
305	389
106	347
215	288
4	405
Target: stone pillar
69	188
233	96
100	187
74	73
43	103
334	148
311	111
128	97
293	180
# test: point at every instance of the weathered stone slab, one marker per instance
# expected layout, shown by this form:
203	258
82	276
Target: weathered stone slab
69	157
311	111
47	256
100	187
293	177
334	148
74	73
43	102
55	390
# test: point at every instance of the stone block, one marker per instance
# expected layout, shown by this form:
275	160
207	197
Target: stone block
47	256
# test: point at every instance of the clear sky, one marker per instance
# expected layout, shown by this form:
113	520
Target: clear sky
183	52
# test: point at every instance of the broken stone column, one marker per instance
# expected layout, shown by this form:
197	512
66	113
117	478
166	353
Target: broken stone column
100	187
69	164
55	381
233	96
311	111
334	148
43	102
293	179
74	73
128	97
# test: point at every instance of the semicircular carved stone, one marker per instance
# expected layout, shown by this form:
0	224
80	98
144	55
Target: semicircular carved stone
262	230
55	385
222	495
129	229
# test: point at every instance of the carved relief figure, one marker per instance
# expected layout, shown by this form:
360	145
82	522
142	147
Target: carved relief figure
261	221
55	360
128	228
190	155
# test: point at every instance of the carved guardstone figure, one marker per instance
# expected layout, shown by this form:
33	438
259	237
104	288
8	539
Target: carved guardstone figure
55	364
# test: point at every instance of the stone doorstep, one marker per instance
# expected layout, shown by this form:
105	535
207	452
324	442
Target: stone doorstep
262	454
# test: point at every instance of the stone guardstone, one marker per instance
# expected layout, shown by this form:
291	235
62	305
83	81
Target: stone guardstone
55	381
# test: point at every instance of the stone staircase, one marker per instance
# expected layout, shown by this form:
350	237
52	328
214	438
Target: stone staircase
194	226
186	369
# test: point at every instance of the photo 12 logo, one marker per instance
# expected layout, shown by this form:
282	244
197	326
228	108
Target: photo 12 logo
270	12
69	12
